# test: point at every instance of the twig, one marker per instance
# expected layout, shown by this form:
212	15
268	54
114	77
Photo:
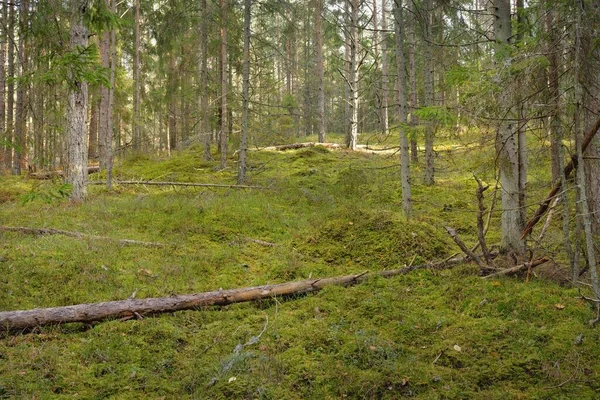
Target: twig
78	235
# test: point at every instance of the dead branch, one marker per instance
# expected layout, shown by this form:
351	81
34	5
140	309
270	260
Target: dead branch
465	249
523	267
295	146
137	308
193	184
260	242
78	235
480	225
557	186
59	173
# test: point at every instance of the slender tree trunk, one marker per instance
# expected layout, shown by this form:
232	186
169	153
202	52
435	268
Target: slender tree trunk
507	143
385	120
4	138
108	138
377	63
172	102
104	114
137	145
245	94
203	126
322	124
93	127
77	109
10	89
20	163
354	75
223	49
412	78
402	110
428	79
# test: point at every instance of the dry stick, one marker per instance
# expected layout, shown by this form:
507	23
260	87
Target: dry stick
78	235
157	183
465	249
130	308
480	226
557	186
548	219
295	146
519	268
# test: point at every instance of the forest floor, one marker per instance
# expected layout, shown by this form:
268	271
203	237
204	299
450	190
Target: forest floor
429	334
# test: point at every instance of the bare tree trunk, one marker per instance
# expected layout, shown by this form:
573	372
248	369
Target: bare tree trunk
245	94
172	102
77	109
20	163
354	74
104	100
428	78
137	145
412	78
4	138
93	127
10	87
203	126
322	124
402	111
507	143
108	138
223	50
385	119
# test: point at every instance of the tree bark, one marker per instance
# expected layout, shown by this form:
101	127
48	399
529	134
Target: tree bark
203	126
384	71
428	78
77	171
10	87
4	38
412	78
353	79
320	70
241	178
137	139
223	62
20	163
402	111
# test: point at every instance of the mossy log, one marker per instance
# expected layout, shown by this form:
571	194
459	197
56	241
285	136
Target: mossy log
136	308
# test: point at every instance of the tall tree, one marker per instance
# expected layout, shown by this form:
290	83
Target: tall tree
384	70
245	94
203	126
224	76
402	110
77	170
353	78
4	138
137	140
507	143
428	79
320	70
10	87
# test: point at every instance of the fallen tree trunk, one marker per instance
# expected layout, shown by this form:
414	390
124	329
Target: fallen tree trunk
295	146
59	174
131	308
192	184
515	270
557	186
78	235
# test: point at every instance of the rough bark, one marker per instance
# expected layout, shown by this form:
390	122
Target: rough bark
412	77
402	111
77	137
137	139
137	308
223	62
507	143
353	79
384	71
519	268
20	163
320	70
428	79
241	178
4	149
10	87
203	126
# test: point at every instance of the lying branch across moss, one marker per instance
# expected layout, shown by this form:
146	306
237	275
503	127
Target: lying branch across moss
132	308
78	235
190	184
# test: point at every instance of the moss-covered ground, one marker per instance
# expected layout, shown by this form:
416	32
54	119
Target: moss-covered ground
430	334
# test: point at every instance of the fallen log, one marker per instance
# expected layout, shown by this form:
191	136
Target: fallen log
557	186
515	270
295	146
137	308
191	184
59	173
78	235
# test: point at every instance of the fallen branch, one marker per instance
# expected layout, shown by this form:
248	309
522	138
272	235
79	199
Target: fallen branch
557	186
465	249
193	184
480	224
137	308
78	235
295	146
58	173
523	267
263	243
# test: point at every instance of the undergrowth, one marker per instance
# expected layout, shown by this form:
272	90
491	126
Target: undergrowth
428	334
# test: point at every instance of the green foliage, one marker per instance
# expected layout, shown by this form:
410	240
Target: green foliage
80	64
47	192
100	18
436	114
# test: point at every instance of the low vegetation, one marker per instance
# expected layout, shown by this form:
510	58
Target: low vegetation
444	334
